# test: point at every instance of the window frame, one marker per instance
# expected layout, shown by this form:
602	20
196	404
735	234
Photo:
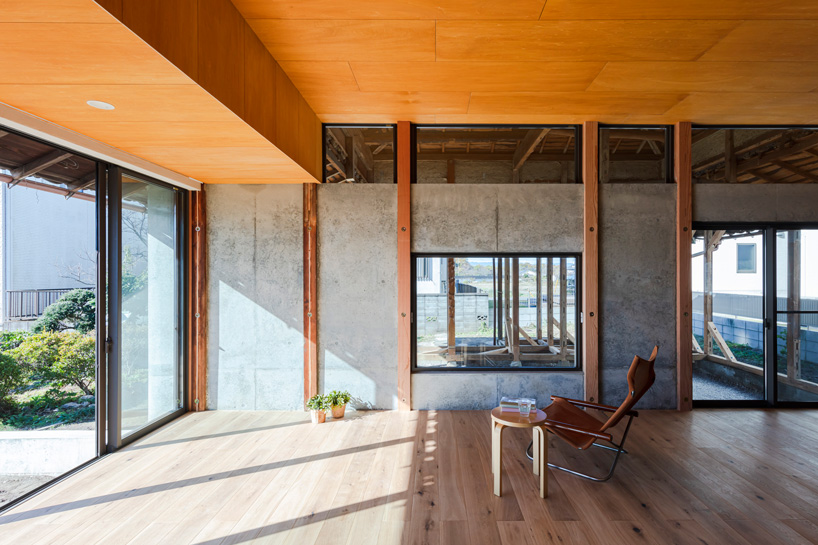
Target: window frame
669	147
325	162
578	342
577	142
754	246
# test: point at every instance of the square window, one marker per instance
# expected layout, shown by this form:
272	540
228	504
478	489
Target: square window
746	258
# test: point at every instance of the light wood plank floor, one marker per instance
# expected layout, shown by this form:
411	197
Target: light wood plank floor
711	476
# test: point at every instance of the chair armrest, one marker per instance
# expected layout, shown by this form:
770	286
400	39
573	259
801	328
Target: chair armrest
575	429
588	404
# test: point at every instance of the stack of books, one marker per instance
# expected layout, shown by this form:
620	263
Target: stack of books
512	405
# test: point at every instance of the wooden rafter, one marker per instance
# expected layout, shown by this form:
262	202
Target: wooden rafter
37	165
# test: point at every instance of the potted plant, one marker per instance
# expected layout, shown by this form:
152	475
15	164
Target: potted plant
338	402
318	406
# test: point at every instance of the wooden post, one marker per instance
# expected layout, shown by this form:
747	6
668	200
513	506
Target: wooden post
729	157
499	311
350	164
549	308
707	345
198	347
450	302
404	155
563	307
683	164
515	308
539	299
310	290
604	157
590	261
507	303
793	304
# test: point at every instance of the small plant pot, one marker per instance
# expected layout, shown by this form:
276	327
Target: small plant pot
338	410
318	417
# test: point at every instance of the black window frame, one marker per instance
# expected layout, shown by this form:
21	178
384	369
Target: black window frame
577	141
578	358
669	147
325	162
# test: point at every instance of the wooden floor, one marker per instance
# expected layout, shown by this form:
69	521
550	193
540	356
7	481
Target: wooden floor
711	476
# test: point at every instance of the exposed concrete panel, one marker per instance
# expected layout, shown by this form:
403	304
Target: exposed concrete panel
357	292
540	218
496	217
756	202
637	287
495	172
469	391
255	346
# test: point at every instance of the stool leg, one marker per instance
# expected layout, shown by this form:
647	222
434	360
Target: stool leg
542	460
497	457
536	451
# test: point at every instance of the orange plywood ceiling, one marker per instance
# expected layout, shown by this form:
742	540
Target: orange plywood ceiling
539	62
57	54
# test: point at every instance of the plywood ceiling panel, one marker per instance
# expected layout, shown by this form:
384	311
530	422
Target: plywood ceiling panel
397	9
58	54
680	9
768	41
467	76
74	55
322	40
362	60
728	77
577	40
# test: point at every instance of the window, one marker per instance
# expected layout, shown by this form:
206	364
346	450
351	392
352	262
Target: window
757	155
496	155
496	312
631	154
356	154
746	258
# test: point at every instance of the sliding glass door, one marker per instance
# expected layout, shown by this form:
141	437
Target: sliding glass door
755	315
150	318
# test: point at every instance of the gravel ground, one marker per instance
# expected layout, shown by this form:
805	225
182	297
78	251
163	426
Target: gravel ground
14	486
707	388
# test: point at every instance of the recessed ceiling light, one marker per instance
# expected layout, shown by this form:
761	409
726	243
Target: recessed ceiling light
100	105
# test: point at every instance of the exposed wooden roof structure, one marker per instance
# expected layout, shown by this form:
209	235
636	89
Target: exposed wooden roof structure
762	156
30	163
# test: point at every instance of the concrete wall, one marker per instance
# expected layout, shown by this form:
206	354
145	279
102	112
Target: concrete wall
463	390
497	218
494	218
637	274
255	311
757	202
357	292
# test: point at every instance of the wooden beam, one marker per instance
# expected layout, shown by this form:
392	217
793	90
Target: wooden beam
450	306
500	312
729	157
722	344
363	149
85	183
310	217
527	147
776	155
563	307
605	157
549	304
515	308
351	159
539	298
198	348
38	164
404	266
590	261
806	174
707	304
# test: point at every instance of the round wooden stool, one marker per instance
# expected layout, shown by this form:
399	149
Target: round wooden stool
535	420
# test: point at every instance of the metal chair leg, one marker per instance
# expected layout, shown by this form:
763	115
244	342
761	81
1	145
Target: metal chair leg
619	450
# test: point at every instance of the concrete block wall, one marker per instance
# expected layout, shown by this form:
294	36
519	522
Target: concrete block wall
637	288
255	310
357	292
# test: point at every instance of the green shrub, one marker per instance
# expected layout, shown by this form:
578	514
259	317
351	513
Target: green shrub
75	310
63	358
11	339
12	376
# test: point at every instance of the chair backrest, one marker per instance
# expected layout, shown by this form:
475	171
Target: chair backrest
640	378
